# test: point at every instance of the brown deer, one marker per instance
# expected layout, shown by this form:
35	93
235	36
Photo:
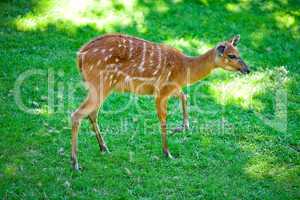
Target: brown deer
123	63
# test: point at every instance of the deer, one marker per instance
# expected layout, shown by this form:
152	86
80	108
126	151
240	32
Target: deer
123	63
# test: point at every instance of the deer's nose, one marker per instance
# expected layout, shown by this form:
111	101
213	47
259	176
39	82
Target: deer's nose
245	70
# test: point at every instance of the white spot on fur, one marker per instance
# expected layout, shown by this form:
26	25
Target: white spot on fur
141	65
169	74
127	79
155	72
130	48
141	69
159	56
151	53
143	78
91	68
111	49
103	50
99	62
117	60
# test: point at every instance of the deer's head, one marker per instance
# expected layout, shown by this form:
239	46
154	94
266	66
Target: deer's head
228	57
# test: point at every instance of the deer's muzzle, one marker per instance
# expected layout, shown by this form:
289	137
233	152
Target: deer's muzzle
244	69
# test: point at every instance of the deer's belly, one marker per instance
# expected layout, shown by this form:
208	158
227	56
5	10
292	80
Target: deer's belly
137	87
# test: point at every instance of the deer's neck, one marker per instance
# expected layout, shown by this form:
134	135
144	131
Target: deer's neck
200	66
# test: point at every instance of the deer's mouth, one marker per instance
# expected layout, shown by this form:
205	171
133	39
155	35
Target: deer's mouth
245	70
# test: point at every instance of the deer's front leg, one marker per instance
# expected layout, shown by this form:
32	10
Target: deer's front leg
185	116
161	107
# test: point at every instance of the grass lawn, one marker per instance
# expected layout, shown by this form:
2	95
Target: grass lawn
244	141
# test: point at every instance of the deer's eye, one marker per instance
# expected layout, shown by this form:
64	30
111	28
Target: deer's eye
231	56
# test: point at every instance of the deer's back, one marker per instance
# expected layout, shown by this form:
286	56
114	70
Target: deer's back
127	63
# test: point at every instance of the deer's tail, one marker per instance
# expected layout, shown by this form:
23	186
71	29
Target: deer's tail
80	63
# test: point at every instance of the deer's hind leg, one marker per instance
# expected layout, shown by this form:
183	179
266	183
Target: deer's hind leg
88	108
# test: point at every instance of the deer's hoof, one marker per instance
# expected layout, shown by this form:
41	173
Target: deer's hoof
180	129
104	149
167	154
74	163
75	166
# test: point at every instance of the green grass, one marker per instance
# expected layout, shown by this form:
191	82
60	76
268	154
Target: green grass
244	141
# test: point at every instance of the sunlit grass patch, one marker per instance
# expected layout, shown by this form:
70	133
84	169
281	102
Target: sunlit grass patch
285	20
242	90
261	166
10	170
233	7
193	45
266	166
104	15
288	21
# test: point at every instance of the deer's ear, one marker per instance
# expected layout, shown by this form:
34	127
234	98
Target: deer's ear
220	49
235	40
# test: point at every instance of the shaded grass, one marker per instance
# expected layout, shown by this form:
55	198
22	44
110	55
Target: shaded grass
229	151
